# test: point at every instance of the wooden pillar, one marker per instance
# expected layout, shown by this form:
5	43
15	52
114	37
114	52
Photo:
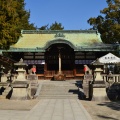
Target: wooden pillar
45	67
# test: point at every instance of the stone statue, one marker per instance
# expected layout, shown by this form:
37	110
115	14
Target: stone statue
30	71
87	70
21	60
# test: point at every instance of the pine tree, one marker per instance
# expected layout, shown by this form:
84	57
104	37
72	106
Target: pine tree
54	26
13	18
108	24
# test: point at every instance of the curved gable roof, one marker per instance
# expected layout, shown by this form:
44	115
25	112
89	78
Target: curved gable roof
77	39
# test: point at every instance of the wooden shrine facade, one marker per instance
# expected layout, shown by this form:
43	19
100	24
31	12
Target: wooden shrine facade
52	51
47	63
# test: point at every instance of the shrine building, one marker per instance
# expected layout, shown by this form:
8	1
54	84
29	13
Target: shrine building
52	51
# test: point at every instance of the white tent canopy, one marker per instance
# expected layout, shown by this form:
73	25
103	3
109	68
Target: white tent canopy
109	58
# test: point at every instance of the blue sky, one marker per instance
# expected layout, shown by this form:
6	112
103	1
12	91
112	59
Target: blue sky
73	14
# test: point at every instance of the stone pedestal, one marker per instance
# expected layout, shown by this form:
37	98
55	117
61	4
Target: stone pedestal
99	94
3	78
33	80
32	77
20	90
33	84
99	91
4	84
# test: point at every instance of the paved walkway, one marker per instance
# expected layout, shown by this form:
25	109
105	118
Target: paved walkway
49	109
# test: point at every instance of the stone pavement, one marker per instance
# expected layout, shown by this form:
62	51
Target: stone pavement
44	109
58	109
49	109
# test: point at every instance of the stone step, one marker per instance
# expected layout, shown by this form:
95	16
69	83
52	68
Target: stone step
52	84
66	87
56	94
58	88
62	85
67	91
57	97
61	95
61	90
59	84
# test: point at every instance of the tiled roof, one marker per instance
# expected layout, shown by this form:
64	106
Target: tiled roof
42	39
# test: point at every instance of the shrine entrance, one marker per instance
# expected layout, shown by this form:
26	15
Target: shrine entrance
59	58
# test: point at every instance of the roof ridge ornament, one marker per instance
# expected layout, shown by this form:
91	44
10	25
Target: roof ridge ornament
59	34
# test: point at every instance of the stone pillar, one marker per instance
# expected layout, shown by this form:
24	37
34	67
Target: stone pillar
59	62
60	75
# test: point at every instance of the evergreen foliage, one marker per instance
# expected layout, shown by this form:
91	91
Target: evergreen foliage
54	26
45	27
108	24
13	18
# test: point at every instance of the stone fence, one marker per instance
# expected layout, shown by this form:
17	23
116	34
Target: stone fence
114	77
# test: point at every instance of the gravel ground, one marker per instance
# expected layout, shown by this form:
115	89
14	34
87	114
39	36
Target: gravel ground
17	104
102	110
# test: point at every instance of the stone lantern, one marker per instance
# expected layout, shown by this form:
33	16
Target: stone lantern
99	87
20	85
1	71
98	70
21	70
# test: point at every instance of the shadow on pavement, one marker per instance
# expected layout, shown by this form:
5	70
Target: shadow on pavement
112	105
73	91
105	117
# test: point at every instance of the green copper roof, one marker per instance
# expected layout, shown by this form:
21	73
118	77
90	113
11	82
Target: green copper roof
34	40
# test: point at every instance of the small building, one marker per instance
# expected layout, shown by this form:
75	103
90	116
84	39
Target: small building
50	49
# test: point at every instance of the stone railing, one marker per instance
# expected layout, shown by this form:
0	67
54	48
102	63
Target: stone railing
113	77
